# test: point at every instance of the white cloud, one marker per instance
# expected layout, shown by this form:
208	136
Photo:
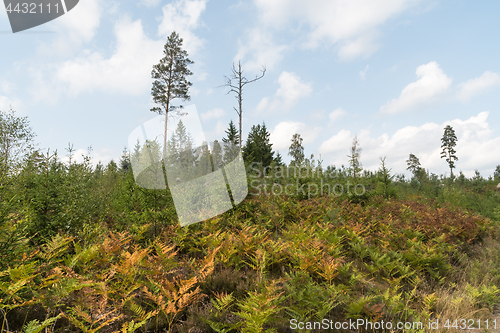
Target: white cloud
291	90
193	91
477	85
363	46
220	128
83	20
127	70
337	142
318	114
337	114
477	148
6	87
352	24
432	83
362	74
282	134
183	16
77	156
150	3
104	155
260	47
6	103
213	114
217	132
76	27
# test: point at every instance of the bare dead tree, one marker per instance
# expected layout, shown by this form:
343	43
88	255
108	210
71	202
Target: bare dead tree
235	83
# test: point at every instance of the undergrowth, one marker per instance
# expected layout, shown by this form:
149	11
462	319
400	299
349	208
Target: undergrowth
271	260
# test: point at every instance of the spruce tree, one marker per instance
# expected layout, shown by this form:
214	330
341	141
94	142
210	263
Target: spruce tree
258	148
203	161
385	181
125	164
355	164
181	152
217	154
231	140
278	160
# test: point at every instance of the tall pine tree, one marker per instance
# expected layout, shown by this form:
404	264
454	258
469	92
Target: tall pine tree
170	79
413	165
449	141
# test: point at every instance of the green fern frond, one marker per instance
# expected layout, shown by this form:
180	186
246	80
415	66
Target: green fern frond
55	247
35	326
222	300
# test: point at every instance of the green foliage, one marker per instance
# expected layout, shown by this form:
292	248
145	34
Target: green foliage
62	197
257	148
13	240
278	161
308	300
232	135
181	156
259	308
356	309
354	163
414	166
89	245
35	326
230	143
170	75
222	305
236	83
384	181
217	155
449	141
125	164
483	295
170	80
296	150
16	144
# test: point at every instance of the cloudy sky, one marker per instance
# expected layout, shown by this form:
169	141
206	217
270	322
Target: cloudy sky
394	72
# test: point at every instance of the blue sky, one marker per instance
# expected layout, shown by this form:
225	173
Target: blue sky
394	72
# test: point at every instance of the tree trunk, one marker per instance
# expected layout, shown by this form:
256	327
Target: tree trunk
239	97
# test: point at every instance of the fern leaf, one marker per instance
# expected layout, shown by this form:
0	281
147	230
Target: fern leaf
35	326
